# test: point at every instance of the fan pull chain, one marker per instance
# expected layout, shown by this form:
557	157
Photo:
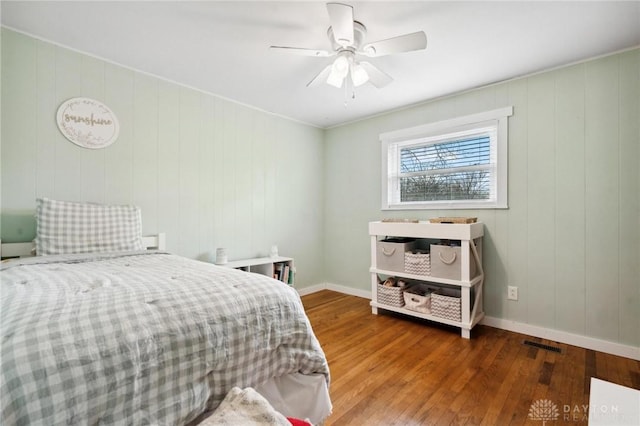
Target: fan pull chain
346	92
348	85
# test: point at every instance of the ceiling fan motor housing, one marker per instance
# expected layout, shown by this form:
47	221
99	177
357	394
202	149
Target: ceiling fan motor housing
359	32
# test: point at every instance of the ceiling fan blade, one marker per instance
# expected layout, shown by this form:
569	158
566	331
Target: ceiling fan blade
403	43
341	18
302	51
321	77
376	77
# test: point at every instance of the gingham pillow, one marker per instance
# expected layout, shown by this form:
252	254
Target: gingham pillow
68	227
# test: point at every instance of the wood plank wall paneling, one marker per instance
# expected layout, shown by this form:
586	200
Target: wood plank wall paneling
188	135
46	127
602	154
541	178
119	157
24	56
629	201
208	172
570	193
570	238
67	175
92	165
518	218
257	176
168	202
499	237
145	188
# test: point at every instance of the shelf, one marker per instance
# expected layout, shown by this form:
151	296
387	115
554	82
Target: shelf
467	326
267	266
429	278
243	263
470	236
449	231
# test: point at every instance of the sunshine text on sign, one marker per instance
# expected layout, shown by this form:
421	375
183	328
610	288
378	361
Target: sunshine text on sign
87	120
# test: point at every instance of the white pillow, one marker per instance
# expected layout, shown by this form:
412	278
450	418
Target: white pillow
68	227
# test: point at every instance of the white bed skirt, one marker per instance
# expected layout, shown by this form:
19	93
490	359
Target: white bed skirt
299	396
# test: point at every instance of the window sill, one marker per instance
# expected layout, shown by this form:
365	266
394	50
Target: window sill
443	205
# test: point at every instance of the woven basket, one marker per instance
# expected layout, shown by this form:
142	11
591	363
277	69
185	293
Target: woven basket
391	296
417	263
446	306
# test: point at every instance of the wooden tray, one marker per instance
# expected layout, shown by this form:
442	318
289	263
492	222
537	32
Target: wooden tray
392	220
453	220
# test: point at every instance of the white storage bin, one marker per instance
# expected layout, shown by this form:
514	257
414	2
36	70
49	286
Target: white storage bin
418	298
390	253
445	262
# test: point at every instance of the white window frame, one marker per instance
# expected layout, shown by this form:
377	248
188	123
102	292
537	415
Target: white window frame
392	141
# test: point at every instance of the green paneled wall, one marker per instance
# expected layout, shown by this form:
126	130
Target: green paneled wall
570	239
208	172
212	173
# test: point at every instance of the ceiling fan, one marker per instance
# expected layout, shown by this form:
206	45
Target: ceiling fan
347	40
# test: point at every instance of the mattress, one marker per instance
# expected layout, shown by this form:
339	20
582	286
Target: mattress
142	338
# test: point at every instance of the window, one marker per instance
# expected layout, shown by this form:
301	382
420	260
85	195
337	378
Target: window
454	164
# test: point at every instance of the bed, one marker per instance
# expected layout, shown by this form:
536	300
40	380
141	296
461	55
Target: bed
143	336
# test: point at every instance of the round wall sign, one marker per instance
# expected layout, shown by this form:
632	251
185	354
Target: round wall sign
87	123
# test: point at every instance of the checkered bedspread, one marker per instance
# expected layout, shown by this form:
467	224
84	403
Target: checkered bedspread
141	338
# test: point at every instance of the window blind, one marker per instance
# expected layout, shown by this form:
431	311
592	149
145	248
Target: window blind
448	167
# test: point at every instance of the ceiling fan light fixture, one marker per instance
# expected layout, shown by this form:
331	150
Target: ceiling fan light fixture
359	75
335	80
341	66
339	71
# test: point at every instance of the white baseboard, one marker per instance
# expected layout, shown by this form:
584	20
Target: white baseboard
564	337
366	294
334	287
312	289
599	345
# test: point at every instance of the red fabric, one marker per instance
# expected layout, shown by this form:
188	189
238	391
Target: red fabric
298	422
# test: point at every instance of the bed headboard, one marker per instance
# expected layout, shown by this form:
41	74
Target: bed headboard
151	242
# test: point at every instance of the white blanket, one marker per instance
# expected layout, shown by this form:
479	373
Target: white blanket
245	407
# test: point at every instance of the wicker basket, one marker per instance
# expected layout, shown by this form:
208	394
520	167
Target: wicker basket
446	304
417	263
391	296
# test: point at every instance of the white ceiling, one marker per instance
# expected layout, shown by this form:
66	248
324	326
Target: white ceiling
222	47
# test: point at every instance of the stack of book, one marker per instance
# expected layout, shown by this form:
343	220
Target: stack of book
284	273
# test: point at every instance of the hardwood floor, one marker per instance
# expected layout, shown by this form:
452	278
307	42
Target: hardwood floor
394	370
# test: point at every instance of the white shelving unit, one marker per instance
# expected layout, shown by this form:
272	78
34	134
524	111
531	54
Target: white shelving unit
263	265
470	237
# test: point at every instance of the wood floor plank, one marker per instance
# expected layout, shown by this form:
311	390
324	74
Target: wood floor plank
390	369
501	397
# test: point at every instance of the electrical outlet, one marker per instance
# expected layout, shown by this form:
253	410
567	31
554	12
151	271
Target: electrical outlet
512	293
